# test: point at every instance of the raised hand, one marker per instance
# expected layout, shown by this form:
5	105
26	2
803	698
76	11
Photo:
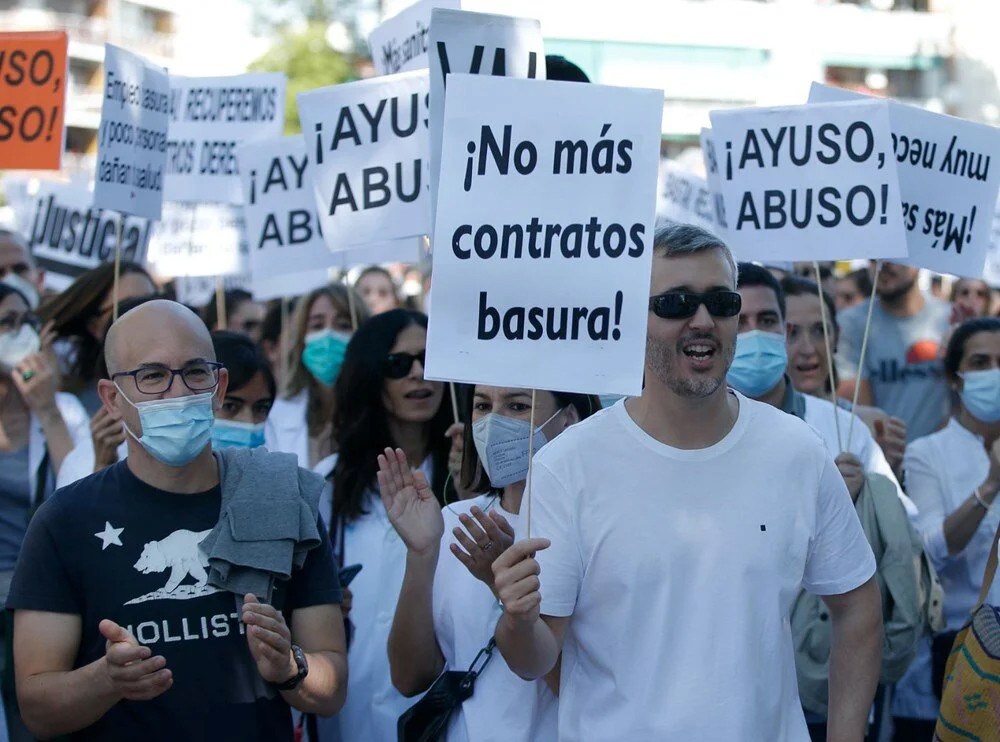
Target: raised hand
269	639
107	434
134	674
410	504
37	382
489	536
515	575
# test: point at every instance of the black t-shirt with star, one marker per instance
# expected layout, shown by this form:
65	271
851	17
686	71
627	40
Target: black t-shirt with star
111	546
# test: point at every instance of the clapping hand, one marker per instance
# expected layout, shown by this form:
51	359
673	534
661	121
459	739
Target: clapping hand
410	504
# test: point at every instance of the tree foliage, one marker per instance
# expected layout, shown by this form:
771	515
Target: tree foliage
307	59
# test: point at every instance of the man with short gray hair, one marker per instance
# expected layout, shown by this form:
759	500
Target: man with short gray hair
675	530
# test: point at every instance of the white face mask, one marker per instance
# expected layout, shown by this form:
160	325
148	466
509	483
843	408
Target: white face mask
502	445
16	346
25	287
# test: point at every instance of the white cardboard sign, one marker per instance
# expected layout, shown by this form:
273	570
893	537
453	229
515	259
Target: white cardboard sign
714	179
209	117
812	182
477	44
685	197
199	240
283	232
367	144
132	139
401	43
545	234
947	187
67	235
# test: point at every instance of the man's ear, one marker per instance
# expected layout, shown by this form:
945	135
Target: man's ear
220	391
108	393
572	417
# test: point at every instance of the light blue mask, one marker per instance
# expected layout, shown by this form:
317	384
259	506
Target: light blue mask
234	434
174	430
323	354
759	362
981	394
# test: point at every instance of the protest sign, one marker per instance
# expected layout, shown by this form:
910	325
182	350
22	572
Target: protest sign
400	43
809	182
714	179
209	116
948	191
991	272
132	139
367	141
68	235
283	232
197	291
478	44
32	99
545	234
202	240
687	198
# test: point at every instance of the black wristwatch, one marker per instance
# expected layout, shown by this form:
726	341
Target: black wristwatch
296	680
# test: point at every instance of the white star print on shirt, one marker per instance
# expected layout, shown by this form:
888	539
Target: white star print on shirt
110	535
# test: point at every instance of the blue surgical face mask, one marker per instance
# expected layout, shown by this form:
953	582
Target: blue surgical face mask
502	445
174	430
234	434
323	354
981	394
759	362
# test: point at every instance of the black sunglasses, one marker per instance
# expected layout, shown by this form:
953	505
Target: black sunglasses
684	304
398	365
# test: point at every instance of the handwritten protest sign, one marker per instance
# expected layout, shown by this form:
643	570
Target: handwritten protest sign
714	179
545	234
368	145
686	198
809	182
202	240
68	235
32	99
132	139
209	117
478	44
948	190
400	43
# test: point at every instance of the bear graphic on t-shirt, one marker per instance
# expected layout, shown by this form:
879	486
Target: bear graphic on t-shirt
180	553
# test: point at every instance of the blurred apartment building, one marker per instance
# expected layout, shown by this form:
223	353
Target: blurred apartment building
710	54
146	27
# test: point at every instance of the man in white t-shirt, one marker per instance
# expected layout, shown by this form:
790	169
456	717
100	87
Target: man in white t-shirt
674	530
759	371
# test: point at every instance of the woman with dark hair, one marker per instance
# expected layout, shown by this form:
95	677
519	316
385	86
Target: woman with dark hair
301	420
249	396
448	607
953	475
243	314
80	316
381	401
39	426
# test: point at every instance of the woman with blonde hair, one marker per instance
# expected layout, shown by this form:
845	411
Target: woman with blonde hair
301	420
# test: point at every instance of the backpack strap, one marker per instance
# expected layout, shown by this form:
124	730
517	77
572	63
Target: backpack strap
991	572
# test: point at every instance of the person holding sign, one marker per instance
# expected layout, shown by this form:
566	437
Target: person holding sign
125	627
300	421
672	533
448	607
902	373
809	363
760	371
953	475
381	401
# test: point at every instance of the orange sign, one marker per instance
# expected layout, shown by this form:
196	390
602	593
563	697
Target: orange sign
32	99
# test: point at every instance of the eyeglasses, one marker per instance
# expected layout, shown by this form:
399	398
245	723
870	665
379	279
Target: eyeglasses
198	376
12	322
684	304
398	365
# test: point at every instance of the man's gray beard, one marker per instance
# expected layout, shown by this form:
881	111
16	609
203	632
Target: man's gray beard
662	363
